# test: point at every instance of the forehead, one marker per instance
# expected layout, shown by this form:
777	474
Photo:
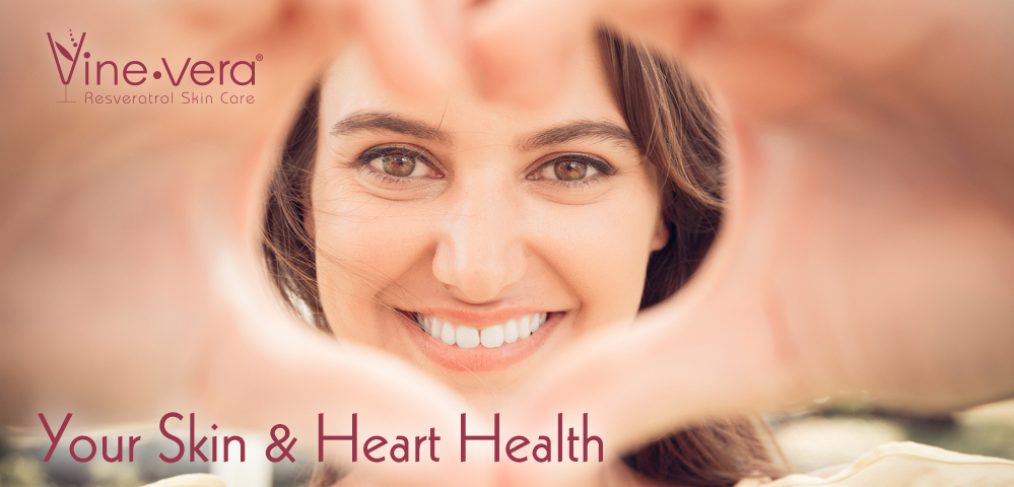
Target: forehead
352	85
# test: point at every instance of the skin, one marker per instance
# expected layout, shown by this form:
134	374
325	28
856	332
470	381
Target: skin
121	190
122	277
477	232
870	218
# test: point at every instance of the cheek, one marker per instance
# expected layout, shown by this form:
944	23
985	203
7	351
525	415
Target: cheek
361	245
601	251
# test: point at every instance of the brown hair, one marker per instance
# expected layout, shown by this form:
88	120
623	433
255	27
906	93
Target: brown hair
675	128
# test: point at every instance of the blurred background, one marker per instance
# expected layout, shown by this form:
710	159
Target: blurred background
823	436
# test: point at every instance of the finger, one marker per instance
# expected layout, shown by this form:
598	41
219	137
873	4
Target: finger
678	364
412	43
522	50
209	23
276	371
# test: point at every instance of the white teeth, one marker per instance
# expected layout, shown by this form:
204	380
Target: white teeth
447	334
525	327
493	336
510	331
467	337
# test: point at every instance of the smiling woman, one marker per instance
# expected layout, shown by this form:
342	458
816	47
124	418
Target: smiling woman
476	240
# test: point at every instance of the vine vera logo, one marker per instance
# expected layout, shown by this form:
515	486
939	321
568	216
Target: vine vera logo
166	73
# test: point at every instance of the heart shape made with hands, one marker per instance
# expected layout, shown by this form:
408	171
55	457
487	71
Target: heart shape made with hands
142	226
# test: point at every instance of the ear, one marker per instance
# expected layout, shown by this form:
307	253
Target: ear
661	236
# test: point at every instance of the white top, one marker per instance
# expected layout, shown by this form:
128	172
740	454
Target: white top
892	464
904	464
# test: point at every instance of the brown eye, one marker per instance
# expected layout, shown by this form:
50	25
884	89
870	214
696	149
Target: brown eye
570	170
398	162
573	168
400	165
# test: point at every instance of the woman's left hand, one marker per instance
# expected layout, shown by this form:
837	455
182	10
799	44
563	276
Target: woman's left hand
868	246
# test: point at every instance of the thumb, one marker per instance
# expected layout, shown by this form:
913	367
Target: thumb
270	370
703	356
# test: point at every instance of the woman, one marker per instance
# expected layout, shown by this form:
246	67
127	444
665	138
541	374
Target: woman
474	253
64	230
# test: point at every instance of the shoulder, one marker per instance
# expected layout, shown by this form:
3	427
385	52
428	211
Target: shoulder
906	463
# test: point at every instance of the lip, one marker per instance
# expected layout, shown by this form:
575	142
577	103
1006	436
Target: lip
479	359
478	320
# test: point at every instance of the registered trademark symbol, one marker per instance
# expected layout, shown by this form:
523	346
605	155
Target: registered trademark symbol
260	57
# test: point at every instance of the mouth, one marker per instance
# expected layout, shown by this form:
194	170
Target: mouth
492	336
476	343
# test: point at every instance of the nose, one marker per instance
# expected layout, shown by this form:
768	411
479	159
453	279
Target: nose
480	250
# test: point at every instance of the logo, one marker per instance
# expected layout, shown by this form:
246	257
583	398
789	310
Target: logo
77	65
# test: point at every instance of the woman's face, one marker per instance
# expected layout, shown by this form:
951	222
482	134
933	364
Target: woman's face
476	239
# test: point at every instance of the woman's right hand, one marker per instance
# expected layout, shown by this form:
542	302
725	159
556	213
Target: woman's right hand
129	234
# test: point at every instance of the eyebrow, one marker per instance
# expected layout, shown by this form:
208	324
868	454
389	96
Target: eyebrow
581	129
568	132
388	122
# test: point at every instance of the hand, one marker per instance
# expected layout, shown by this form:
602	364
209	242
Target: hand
868	245
130	234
